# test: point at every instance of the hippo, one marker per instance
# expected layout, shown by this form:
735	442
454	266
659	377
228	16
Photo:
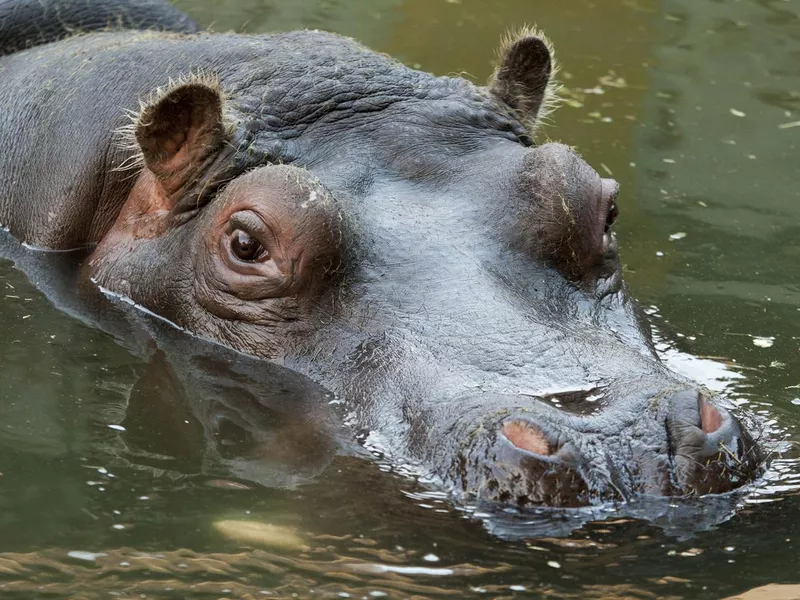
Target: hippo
397	238
27	23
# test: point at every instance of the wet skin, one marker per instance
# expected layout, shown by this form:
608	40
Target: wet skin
395	236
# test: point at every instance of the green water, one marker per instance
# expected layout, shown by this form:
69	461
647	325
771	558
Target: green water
692	105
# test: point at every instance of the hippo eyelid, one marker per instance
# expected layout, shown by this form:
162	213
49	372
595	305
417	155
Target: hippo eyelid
613	184
254	224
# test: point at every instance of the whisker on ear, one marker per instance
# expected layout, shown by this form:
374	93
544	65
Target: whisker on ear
133	163
125	139
219	183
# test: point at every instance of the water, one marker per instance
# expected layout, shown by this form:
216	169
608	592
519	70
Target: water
111	486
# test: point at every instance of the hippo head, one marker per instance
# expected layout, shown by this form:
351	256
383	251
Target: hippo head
399	238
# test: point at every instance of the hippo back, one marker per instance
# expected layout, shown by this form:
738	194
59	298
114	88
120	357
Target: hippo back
27	23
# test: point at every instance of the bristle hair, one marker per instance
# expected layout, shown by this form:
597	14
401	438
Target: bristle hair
552	99
125	135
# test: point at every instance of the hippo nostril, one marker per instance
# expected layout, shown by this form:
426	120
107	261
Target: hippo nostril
708	451
535	461
710	417
526	436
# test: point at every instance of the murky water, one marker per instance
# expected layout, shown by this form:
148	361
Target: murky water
111	485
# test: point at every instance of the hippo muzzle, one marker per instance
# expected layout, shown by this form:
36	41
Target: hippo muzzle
675	444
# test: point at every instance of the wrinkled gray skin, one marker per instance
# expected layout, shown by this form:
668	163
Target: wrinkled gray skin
455	286
26	23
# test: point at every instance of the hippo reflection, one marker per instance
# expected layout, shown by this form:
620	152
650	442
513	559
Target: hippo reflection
202	410
396	237
190	408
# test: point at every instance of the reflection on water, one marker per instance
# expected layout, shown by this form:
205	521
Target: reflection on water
198	409
136	462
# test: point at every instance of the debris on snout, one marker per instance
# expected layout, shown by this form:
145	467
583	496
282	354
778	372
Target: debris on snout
261	534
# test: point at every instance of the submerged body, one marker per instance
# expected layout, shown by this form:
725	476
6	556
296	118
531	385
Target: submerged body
393	235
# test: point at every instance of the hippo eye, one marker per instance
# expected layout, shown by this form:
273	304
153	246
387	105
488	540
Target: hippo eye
611	216
247	248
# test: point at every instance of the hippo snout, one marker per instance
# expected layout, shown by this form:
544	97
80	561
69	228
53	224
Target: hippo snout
680	443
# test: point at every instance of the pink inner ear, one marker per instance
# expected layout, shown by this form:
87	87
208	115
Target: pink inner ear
527	437
710	417
179	131
174	143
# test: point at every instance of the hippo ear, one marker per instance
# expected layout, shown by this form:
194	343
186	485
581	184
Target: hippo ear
179	129
522	77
